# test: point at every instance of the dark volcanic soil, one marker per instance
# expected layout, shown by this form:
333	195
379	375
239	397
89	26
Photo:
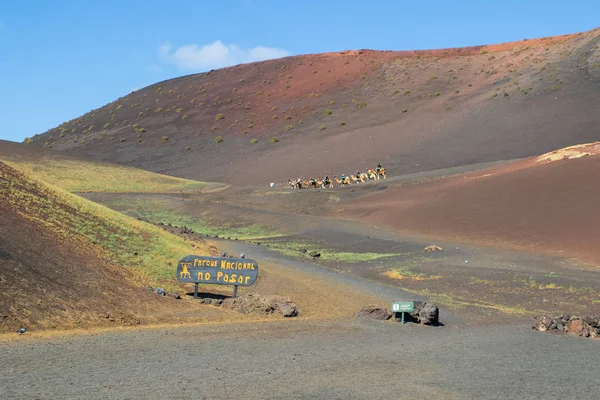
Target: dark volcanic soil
550	208
338	112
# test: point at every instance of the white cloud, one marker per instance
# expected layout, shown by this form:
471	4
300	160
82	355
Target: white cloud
215	55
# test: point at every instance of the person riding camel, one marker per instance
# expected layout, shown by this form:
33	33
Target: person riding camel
379	167
357	174
312	181
326	181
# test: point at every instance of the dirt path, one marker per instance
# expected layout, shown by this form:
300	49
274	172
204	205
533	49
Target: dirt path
303	360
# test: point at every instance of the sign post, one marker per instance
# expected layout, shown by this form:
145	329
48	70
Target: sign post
217	270
403	307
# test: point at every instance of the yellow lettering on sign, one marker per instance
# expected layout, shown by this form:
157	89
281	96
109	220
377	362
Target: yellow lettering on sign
223	264
219	276
240	279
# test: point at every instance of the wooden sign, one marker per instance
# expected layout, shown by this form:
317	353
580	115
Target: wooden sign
217	270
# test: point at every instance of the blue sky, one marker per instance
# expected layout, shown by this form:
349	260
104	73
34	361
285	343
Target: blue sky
60	59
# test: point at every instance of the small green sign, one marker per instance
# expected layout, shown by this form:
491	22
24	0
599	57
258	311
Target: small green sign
408	306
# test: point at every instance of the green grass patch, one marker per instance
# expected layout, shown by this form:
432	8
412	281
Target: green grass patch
157	211
137	245
292	249
89	176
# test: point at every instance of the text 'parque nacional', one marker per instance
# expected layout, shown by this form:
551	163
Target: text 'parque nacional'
217	270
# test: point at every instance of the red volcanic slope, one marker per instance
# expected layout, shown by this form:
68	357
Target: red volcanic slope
547	207
337	112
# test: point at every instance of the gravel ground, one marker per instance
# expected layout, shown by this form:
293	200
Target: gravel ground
354	359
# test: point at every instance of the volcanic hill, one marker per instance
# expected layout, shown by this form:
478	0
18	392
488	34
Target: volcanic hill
340	112
66	262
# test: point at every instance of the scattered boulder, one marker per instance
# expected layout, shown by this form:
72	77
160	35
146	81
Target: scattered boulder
287	309
425	313
429	314
254	303
374	312
160	291
544	323
303	250
432	247
175	296
579	327
593	321
314	254
574	325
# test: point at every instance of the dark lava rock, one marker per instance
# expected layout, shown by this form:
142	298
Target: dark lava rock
175	296
374	312
254	303
579	327
426	313
543	323
314	254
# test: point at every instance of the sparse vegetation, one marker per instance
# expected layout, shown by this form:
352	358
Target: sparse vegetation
253	141
327	112
122	140
404	110
164	139
218	139
274	140
342	123
362	104
322	127
448	108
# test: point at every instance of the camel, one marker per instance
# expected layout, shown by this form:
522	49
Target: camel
361	178
382	173
372	174
346	181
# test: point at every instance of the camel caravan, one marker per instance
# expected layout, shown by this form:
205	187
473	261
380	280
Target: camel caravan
326	182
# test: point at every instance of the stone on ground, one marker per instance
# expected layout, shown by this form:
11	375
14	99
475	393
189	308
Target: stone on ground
374	312
254	303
